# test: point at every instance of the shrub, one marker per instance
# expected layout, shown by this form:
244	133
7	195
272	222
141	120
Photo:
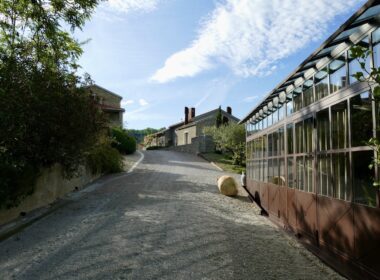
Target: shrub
122	141
104	159
15	184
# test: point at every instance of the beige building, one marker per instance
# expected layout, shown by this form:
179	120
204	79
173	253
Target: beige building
190	131
110	103
193	125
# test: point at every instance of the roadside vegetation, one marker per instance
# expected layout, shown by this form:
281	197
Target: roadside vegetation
46	115
229	139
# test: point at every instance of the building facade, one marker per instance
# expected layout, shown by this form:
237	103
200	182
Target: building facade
109	103
307	153
188	135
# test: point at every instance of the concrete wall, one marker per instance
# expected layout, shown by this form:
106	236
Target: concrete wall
50	186
180	133
107	98
202	144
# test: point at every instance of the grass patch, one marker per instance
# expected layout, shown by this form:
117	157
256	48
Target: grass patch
224	162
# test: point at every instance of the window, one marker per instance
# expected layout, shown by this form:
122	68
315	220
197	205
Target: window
299	137
290	172
308	95
275	116
308	131
337	71
269	120
281	166
281	141
289	135
365	193
323	130
324	175
297	99
308	174
300	168
339	131
340	176
270	145
281	112
321	84
361	119
289	104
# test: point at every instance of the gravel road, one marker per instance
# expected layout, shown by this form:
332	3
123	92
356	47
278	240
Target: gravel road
165	220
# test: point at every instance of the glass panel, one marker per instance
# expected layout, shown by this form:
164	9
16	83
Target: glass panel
309	174
365	192
299	137
264	168
275	116
340	176
275	178
297	99
281	141
281	112
289	134
354	66
300	173
270	145
308	129
289	104
264	146
270	170
339	131
323	130
269	120
282	171
321	84
361	119
324	177
275	144
337	74
308	97
290	172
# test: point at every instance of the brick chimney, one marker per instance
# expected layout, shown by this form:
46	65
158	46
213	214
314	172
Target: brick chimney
192	113
186	115
229	110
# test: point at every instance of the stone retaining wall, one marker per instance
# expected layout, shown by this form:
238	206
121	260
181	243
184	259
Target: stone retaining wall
49	187
201	144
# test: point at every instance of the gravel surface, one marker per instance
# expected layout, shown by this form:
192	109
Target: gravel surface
166	220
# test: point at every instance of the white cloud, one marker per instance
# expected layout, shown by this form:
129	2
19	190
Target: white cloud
143	102
250	98
127	102
250	36
126	6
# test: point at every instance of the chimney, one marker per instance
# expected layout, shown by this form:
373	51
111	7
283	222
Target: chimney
186	115
192	113
229	110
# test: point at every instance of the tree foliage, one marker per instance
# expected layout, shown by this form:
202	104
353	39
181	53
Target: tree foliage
229	138
46	116
122	141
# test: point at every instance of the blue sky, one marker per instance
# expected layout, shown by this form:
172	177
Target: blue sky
163	55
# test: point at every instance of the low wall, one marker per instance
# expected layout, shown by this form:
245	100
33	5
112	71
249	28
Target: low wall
201	144
49	187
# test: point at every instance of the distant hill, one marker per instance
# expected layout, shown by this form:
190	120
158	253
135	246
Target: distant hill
139	134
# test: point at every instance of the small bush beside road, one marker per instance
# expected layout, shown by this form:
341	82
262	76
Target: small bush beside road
122	141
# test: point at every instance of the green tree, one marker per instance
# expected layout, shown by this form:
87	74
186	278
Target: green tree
46	116
122	141
219	118
229	138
